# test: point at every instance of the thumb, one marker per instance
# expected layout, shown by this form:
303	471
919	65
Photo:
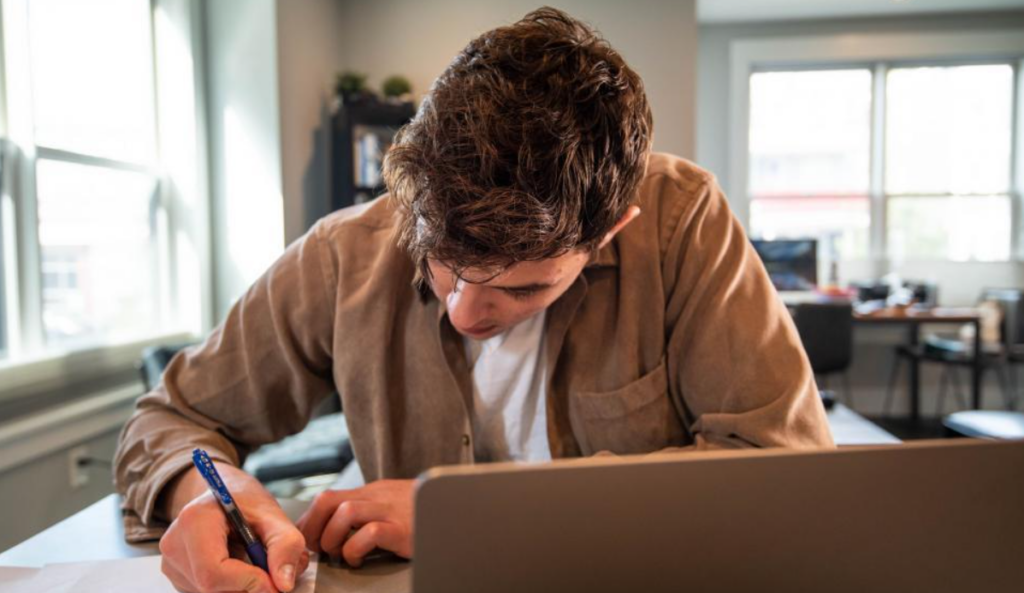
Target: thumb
286	549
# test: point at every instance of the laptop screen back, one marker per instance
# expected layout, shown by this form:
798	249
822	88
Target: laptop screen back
935	516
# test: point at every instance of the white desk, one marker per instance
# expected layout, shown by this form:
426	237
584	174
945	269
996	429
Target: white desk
850	428
97	533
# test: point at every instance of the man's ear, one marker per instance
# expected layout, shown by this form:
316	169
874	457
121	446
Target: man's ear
631	213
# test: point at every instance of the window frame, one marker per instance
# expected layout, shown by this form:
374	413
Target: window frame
1016	146
180	202
880	52
870	192
3	257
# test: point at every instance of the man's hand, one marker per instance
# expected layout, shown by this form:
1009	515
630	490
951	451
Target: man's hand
381	514
195	547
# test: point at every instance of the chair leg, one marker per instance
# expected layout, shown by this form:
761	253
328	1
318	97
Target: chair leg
941	399
893	375
1014	387
847	390
1004	385
955	382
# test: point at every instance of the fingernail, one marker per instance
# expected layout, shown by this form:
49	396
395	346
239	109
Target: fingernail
288	575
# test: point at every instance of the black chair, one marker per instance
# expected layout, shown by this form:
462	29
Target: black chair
323	447
999	424
826	330
153	362
1011	303
951	353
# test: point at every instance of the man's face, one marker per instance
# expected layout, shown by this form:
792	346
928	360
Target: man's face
480	306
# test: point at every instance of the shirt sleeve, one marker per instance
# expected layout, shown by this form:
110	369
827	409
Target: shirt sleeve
738	373
256	379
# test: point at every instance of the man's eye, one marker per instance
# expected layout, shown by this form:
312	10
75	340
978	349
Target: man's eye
522	294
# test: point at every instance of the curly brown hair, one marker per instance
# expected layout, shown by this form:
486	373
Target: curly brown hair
531	143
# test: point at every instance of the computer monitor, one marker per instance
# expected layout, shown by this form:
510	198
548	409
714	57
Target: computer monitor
792	264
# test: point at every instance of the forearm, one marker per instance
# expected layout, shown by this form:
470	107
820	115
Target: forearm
183	490
254	380
154	453
189	485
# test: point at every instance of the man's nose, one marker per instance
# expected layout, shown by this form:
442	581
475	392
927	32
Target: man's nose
468	305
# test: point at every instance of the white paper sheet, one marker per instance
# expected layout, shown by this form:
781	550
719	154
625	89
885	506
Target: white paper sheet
113	576
14	579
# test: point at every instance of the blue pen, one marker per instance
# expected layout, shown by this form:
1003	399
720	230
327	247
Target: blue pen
253	547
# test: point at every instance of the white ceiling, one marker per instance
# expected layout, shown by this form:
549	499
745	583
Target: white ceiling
723	11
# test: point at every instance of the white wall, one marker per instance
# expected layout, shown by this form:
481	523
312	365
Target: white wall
36	495
418	40
35	486
309	55
269	71
243	118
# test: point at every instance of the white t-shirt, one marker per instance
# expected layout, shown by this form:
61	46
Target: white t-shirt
509	393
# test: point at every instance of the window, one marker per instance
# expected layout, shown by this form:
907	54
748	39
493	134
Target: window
95	136
930	144
86	228
810	146
98	253
947	162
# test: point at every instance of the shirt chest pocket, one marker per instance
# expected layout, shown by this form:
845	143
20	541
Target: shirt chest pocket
637	418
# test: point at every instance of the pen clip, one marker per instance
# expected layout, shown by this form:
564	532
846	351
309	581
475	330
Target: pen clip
206	469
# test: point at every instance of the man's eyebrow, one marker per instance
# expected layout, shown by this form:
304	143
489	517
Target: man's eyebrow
526	287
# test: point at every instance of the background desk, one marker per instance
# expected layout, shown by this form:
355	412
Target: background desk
913	320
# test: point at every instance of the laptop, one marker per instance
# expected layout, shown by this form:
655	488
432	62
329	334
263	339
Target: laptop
925	516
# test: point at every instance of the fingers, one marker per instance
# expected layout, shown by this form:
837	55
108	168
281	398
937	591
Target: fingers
175	560
372	535
195	556
233	575
350	514
286	548
334	514
313	521
213	570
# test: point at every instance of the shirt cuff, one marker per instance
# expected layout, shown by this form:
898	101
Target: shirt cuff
139	507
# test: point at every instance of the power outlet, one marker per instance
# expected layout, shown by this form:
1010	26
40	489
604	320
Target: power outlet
78	473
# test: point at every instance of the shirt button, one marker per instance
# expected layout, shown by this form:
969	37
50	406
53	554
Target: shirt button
465	440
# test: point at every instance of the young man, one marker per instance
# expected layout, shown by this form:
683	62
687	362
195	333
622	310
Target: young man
537	285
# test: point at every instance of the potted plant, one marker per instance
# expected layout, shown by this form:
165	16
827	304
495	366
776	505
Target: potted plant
397	89
351	86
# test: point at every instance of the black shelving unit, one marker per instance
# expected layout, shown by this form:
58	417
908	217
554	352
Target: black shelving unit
362	132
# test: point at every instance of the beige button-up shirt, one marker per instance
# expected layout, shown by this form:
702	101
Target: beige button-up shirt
672	336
